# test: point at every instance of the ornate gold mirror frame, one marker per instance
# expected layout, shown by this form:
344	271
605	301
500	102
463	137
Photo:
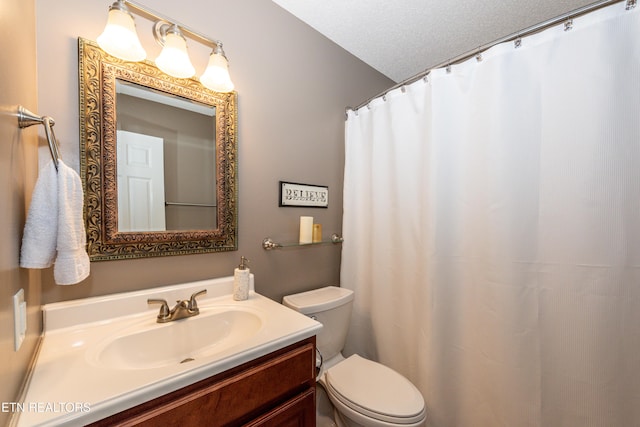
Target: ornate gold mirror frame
98	72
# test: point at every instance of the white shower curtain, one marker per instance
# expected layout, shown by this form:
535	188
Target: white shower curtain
492	231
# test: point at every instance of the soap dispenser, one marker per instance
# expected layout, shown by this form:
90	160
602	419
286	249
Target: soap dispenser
241	281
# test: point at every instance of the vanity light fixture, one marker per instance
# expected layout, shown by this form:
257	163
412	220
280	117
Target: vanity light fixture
120	39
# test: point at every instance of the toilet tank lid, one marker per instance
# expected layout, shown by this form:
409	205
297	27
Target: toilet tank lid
318	299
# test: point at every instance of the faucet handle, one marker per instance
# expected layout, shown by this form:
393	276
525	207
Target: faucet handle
193	305
164	309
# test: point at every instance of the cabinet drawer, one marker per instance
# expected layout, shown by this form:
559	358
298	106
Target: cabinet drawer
230	398
297	412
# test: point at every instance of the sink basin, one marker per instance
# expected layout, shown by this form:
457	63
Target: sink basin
154	345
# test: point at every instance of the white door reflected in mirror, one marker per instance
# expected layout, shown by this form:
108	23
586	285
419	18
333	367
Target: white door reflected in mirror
141	203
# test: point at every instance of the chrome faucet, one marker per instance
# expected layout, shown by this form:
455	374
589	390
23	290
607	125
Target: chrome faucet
182	309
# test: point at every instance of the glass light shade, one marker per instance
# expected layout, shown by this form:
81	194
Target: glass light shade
174	59
120	38
216	76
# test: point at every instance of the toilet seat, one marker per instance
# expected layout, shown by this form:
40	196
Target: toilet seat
375	391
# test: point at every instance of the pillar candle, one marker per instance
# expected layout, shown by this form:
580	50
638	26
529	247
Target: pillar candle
306	230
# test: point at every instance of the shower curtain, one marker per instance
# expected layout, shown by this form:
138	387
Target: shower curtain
492	230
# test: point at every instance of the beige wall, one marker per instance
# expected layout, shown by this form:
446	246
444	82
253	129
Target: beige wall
293	85
18	171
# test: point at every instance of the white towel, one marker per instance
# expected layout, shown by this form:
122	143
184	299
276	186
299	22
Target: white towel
55	223
72	262
41	230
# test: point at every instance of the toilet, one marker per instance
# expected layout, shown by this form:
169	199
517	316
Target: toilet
363	392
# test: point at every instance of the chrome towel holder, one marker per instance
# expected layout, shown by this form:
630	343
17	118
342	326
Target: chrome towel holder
26	118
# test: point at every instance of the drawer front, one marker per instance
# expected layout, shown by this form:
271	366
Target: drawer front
259	388
232	400
297	412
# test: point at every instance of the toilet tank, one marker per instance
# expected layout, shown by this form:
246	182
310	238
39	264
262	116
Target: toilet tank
330	306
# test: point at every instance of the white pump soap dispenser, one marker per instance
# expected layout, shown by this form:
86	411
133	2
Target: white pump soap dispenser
241	281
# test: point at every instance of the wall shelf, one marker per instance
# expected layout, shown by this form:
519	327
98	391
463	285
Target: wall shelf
268	244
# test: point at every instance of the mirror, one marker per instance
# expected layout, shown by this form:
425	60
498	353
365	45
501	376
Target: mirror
157	158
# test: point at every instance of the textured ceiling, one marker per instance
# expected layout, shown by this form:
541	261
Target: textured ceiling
401	38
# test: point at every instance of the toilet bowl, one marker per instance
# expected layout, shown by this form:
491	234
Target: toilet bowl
363	392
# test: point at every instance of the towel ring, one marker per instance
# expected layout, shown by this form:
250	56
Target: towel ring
26	118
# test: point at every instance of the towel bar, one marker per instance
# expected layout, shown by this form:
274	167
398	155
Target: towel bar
26	118
198	205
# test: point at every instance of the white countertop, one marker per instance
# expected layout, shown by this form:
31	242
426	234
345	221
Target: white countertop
68	387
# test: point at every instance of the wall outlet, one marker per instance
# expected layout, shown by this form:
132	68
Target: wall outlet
19	319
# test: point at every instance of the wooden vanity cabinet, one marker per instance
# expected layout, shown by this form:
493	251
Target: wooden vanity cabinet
274	390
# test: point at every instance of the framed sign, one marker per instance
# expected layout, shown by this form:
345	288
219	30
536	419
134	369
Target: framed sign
303	195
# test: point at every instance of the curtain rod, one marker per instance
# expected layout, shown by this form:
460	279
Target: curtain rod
514	36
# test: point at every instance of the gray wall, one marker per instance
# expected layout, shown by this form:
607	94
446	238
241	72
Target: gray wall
293	85
18	171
